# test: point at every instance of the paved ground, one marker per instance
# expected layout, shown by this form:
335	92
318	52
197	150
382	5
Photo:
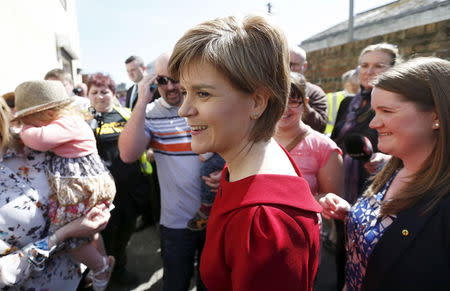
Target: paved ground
144	259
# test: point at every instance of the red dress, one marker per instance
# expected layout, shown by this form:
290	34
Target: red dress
263	234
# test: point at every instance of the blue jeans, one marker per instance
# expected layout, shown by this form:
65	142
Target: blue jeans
214	163
180	248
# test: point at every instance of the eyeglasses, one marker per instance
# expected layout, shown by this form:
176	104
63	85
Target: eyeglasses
292	65
294	102
163	80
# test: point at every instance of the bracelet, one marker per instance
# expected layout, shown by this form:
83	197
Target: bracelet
36	259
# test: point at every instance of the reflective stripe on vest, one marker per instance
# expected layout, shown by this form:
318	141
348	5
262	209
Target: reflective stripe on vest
334	100
146	166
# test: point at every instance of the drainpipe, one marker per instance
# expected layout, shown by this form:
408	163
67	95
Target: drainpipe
350	22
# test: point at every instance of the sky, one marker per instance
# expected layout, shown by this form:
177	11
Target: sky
112	30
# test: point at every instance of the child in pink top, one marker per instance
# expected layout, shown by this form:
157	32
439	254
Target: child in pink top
76	174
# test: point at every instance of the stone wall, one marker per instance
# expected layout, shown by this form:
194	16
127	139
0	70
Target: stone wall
325	66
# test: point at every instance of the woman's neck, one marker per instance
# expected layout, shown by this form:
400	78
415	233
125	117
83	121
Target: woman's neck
263	157
244	163
414	161
411	165
285	136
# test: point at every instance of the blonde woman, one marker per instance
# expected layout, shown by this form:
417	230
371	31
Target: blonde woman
31	257
355	114
76	174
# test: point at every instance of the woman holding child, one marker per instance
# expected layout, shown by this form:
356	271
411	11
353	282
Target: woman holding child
31	257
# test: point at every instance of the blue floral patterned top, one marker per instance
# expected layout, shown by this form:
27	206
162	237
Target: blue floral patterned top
365	227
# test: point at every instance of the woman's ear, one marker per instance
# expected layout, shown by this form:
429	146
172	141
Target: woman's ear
260	99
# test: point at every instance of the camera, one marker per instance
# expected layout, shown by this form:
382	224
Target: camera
77	91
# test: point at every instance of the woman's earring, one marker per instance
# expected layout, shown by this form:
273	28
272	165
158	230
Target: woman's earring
436	125
254	115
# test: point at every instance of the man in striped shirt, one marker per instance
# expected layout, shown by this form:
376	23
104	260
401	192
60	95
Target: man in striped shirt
158	125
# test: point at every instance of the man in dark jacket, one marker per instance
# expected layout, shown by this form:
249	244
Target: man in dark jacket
136	70
316	114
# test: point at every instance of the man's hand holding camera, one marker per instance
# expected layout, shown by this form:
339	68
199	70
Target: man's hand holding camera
147	87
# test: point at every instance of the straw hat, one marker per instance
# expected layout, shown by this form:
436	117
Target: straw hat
36	96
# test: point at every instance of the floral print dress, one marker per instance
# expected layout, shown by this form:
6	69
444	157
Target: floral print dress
365	226
26	262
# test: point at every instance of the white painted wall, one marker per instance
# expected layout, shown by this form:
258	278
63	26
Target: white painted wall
28	33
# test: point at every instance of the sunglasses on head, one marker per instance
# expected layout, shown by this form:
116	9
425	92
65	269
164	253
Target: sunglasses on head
163	80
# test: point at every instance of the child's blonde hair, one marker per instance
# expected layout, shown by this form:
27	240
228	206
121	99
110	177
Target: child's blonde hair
54	113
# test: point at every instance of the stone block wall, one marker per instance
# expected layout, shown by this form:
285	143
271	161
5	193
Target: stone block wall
325	66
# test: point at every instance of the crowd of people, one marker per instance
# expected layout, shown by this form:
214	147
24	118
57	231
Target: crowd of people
246	168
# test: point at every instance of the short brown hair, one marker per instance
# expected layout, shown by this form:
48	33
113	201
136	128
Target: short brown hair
252	53
59	74
138	60
298	87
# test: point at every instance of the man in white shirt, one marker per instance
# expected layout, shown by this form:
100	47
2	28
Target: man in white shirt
158	125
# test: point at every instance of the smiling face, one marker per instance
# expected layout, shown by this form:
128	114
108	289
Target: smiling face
101	98
219	114
292	116
371	65
403	129
171	91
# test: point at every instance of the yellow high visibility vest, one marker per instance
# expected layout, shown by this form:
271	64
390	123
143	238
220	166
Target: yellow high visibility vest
334	101
146	166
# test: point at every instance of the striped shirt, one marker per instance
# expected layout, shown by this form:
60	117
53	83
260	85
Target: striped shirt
178	167
170	136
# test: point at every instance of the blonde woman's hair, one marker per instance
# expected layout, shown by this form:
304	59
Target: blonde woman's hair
251	53
390	49
426	83
5	116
